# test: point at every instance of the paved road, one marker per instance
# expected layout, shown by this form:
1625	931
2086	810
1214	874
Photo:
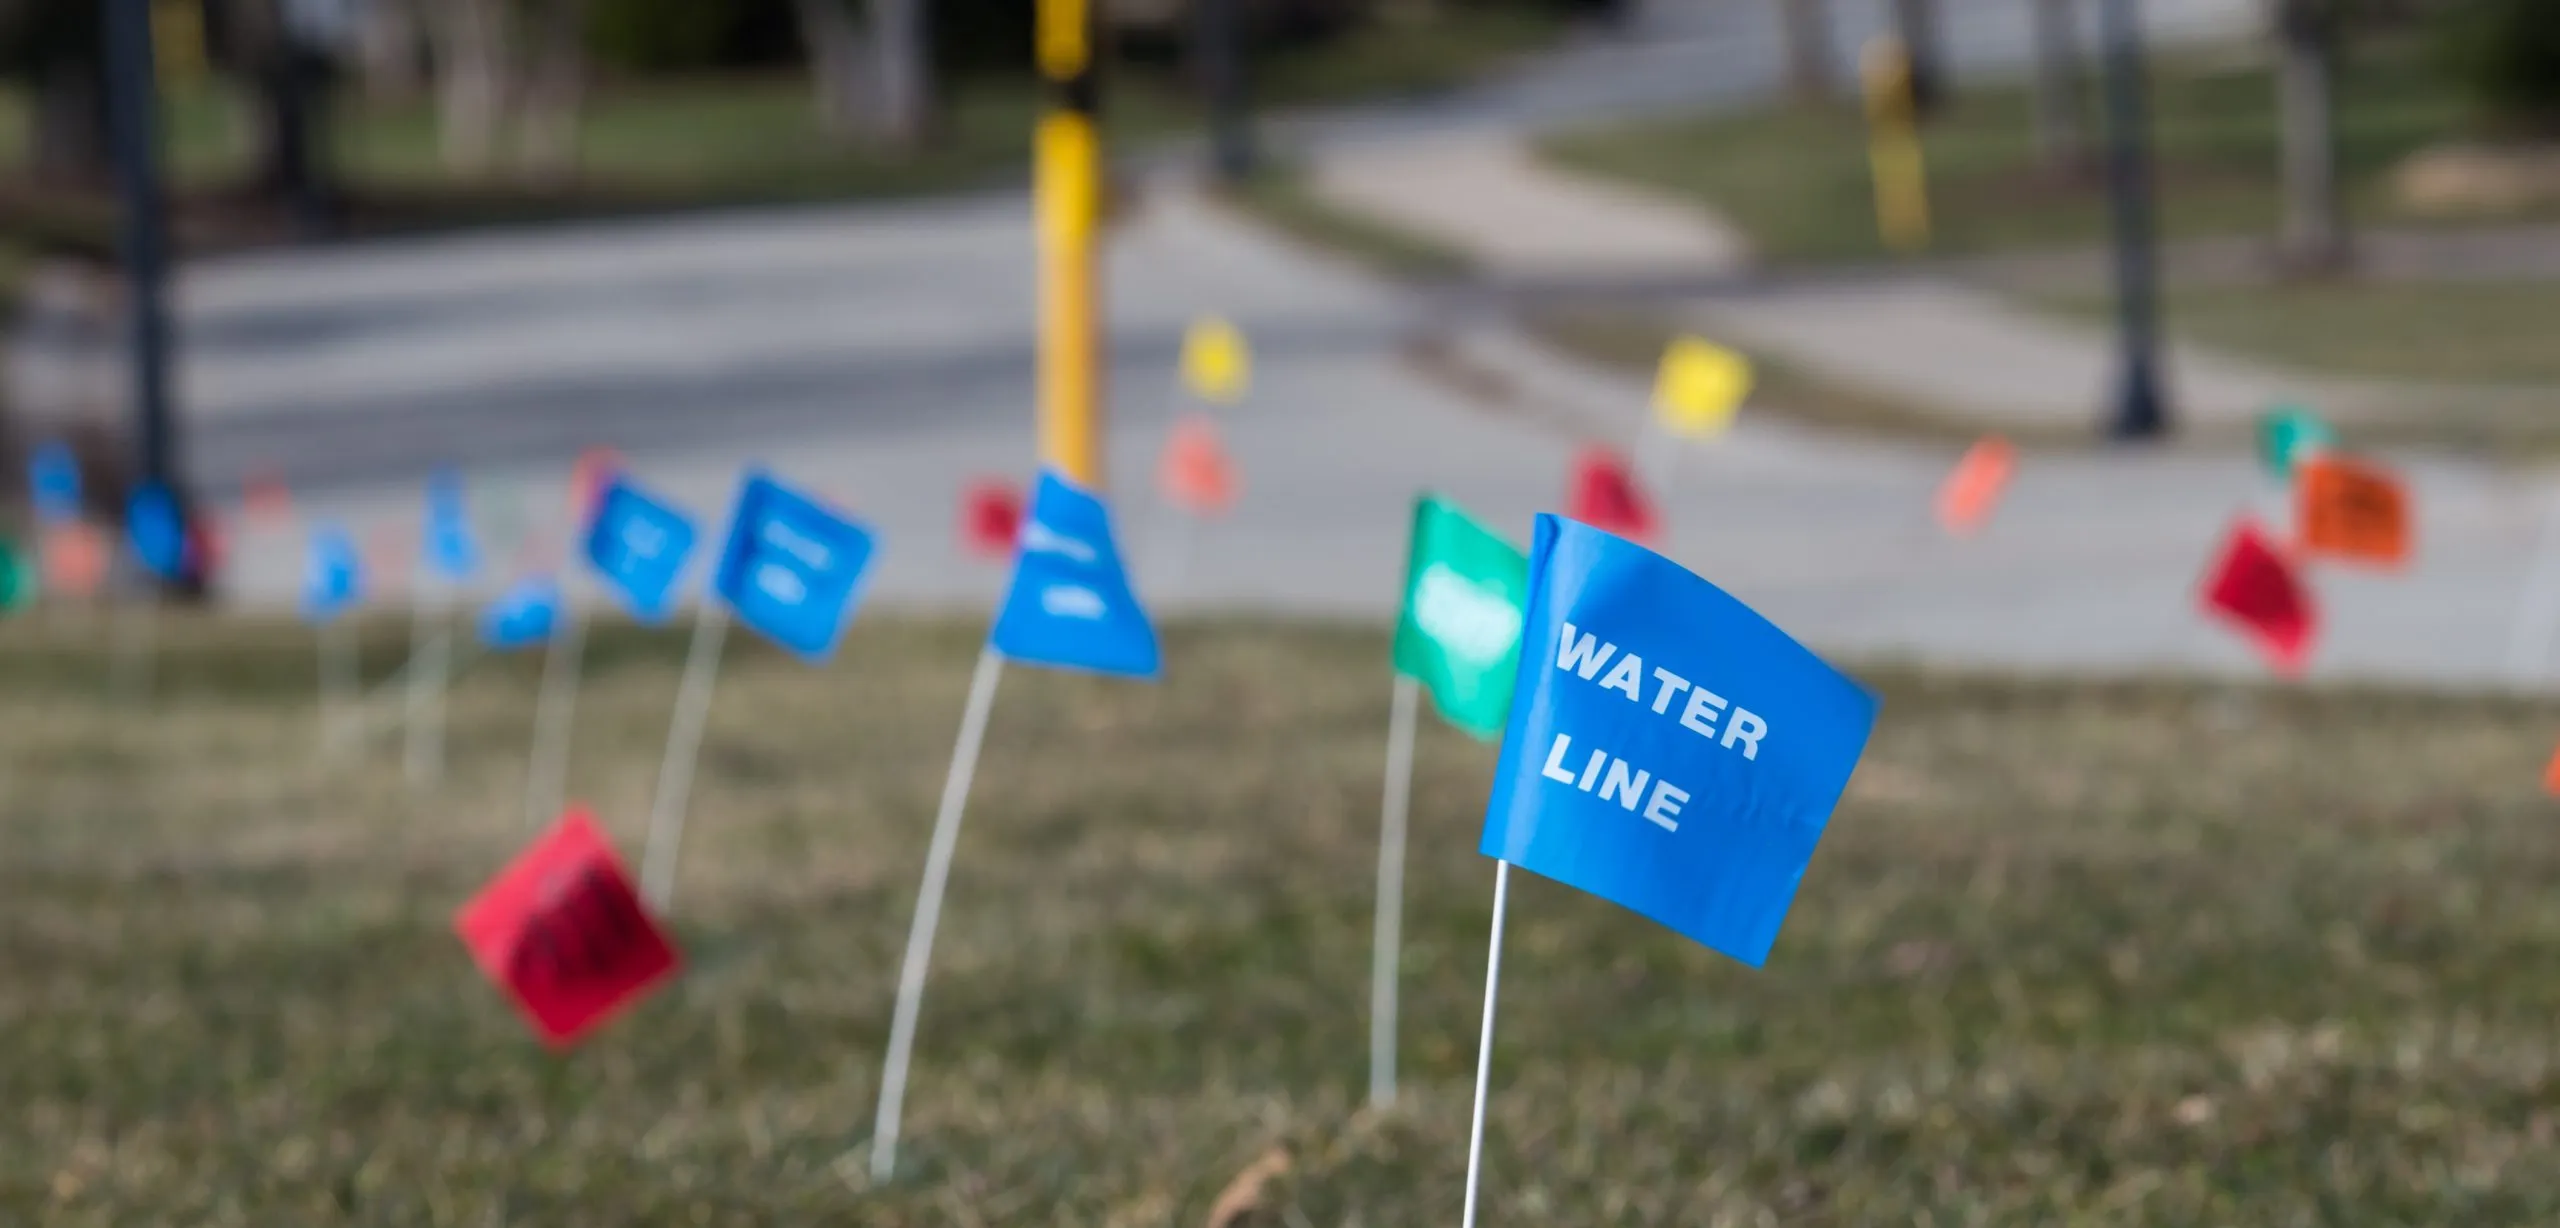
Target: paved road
883	355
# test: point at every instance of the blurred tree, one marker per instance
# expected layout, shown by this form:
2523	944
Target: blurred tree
2315	231
53	45
509	69
2507	55
873	71
2058	111
1806	25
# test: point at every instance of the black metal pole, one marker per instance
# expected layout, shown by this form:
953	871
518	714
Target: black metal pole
2141	411
1225	76
133	104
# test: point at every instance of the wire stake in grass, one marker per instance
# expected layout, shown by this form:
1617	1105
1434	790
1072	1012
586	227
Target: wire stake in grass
684	746
937	873
1387	933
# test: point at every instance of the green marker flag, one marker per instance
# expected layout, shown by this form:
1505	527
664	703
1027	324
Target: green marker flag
17	577
1465	590
2287	434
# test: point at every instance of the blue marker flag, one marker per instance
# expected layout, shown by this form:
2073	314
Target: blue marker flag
1668	749
53	477
452	551
792	567
521	617
1070	603
639	543
332	575
157	529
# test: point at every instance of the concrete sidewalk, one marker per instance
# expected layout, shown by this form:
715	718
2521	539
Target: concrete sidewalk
1931	342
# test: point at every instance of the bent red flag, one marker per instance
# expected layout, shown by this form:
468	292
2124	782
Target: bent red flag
561	930
1606	497
2255	587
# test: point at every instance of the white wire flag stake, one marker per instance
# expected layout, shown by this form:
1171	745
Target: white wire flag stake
554	709
2538	605
1387	933
430	666
937	873
684	746
1484	1043
1069	605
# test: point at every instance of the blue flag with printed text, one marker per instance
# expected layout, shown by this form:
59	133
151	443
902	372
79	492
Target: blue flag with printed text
1668	749
1070	604
156	527
332	574
451	549
522	616
792	566
53	482
638	543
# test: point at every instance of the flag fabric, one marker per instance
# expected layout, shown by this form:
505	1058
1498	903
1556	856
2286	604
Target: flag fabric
638	543
990	518
1973	488
1459	632
2289	434
1217	365
1700	387
332	574
522	616
792	568
267	500
2352	511
449	547
53	482
1605	496
588	477
18	576
1069	604
1195	472
156	527
1668	749
2551	774
2255	588
562	932
75	558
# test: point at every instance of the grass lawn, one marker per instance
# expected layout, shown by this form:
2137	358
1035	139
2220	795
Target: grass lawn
2448	332
2073	953
1797	181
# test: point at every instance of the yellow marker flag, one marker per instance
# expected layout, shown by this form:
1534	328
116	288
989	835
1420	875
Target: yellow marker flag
1217	364
1700	387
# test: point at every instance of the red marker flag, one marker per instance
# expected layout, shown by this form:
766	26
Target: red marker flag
1605	496
990	518
561	930
2551	775
2254	587
1973	489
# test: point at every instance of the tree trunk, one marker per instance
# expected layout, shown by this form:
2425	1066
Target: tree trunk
899	37
2315	232
472	39
69	137
2061	131
389	49
1806	25
838	65
555	90
1916	21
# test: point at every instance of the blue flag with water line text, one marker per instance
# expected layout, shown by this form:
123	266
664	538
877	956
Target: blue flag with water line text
1070	604
1669	749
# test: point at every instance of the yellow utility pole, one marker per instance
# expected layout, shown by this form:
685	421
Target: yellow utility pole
1067	206
1893	146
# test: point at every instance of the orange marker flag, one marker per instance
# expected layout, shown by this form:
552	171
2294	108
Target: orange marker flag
2551	775
1196	473
1973	489
2352	510
75	559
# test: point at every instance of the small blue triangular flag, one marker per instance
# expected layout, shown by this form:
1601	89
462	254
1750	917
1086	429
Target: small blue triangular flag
1070	604
792	568
332	575
638	542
